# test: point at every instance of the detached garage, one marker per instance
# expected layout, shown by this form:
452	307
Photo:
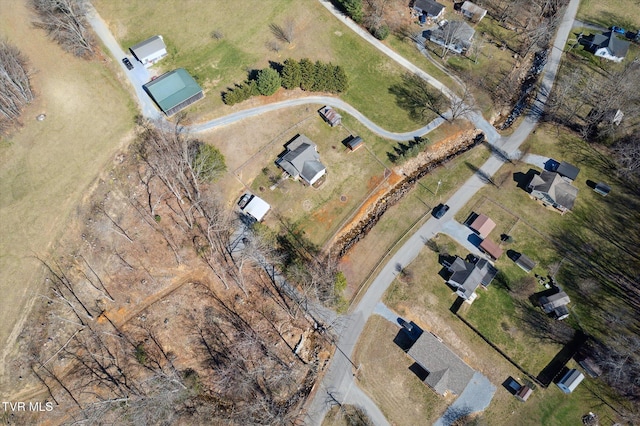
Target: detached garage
174	91
150	51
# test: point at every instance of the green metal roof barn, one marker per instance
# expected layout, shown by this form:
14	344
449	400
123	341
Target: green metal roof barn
174	91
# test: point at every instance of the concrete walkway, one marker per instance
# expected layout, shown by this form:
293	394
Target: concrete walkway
386	313
536	160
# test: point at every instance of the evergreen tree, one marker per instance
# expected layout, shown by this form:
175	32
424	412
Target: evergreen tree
291	74
307	73
268	81
341	79
354	9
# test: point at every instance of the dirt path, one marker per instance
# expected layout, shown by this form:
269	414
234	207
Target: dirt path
46	167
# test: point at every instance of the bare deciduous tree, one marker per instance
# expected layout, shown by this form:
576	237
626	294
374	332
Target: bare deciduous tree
284	33
66	22
15	88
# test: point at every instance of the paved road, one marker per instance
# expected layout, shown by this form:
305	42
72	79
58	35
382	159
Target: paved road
338	377
475	117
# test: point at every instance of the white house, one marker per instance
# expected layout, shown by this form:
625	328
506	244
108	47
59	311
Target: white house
570	381
150	51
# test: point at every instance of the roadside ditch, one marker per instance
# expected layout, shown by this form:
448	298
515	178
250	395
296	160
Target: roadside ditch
411	172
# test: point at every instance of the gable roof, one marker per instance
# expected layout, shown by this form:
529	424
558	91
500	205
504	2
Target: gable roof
568	170
483	225
330	115
558	189
302	159
429	7
471	9
468	276
454	32
571	380
447	372
524	262
153	46
491	248
608	40
549	303
174	91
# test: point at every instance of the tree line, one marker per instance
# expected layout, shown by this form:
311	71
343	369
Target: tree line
304	74
15	86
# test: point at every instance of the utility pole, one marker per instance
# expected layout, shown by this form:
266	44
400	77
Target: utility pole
439	183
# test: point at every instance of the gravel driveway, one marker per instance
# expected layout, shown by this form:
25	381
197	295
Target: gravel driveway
476	397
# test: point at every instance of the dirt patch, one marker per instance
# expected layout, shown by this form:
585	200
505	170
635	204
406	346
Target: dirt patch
398	186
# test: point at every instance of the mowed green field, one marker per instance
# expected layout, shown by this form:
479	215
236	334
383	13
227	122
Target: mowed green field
622	13
218	64
47	167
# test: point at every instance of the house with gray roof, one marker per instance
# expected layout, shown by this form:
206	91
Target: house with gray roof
556	304
150	51
445	371
608	46
467	276
456	36
429	8
301	160
553	190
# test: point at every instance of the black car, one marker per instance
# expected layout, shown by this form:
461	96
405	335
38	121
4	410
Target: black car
127	63
440	210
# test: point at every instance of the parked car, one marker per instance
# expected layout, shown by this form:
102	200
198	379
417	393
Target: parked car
440	210
618	30
127	63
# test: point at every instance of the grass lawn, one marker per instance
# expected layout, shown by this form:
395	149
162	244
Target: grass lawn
219	64
412	210
621	13
317	211
47	167
426	299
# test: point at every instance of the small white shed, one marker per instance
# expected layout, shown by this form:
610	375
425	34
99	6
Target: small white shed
570	381
254	206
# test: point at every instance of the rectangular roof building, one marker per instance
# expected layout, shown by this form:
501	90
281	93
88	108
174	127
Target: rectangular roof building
150	51
254	206
491	248
446	372
483	225
570	381
472	11
174	91
568	170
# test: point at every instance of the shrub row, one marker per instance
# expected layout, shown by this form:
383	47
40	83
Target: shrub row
307	75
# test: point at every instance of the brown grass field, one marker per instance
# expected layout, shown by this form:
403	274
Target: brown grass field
46	168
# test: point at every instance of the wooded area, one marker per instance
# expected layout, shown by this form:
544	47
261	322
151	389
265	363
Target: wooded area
163	310
15	87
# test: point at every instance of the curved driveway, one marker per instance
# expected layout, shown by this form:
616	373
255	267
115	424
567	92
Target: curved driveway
323	100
